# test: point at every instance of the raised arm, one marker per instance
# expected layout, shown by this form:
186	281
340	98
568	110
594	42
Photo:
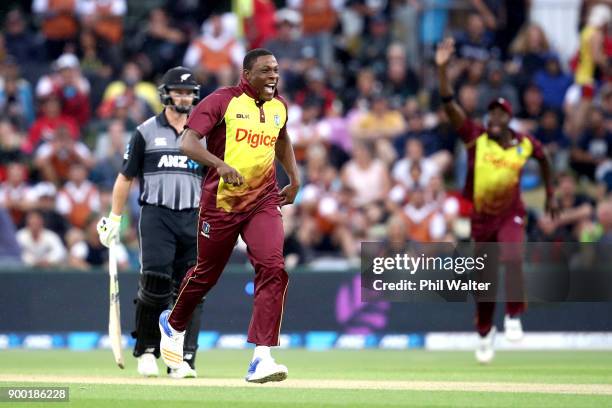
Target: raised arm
443	55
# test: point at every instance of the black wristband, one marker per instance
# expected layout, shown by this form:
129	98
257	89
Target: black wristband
447	99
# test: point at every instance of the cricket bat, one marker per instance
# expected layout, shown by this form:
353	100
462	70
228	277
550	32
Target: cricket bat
114	315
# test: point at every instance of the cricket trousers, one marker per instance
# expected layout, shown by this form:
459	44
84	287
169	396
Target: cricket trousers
508	232
262	231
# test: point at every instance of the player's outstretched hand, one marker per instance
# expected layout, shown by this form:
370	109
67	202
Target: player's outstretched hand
230	175
288	194
445	50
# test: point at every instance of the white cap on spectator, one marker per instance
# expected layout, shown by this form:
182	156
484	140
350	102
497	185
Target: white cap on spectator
44	189
287	15
67	61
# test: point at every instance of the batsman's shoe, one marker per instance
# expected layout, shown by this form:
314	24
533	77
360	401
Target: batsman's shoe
171	344
184	371
485	351
147	365
265	370
513	329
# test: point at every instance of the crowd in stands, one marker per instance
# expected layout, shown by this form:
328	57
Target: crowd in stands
377	154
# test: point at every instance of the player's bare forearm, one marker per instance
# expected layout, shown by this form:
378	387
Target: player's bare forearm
284	154
547	176
121	190
190	146
286	157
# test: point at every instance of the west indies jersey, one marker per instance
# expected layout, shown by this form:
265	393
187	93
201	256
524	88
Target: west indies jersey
494	171
241	131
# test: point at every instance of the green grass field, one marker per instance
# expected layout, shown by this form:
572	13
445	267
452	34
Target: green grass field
365	378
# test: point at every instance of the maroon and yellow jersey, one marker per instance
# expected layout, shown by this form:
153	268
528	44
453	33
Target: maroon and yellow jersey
494	171
242	132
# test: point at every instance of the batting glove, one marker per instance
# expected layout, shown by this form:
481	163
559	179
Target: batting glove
108	229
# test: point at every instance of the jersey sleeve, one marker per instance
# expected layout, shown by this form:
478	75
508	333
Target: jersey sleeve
133	157
209	112
469	131
538	149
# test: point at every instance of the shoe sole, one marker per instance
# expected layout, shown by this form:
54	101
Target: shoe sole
274	377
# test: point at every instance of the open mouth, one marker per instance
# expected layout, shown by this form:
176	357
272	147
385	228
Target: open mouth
270	87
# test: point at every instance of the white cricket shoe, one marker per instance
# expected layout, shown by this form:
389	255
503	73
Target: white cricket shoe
513	329
184	371
171	344
265	370
147	365
485	351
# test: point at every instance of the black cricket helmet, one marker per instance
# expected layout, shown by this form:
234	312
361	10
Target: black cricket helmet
178	78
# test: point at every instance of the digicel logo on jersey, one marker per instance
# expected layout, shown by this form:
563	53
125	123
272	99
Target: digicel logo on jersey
254	139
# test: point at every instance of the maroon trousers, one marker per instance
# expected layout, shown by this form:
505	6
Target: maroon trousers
510	230
262	231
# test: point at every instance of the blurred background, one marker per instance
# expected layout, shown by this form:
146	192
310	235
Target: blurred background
378	158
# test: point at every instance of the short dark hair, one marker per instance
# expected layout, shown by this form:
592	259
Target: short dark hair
251	57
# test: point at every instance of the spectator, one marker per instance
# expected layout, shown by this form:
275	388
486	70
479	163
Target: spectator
496	87
316	88
575	211
379	121
42	198
16	100
366	176
14	192
287	46
553	82
55	158
132	86
374	45
51	118
365	88
70	86
305	131
217	49
40	247
104	17
476	43
21	43
529	50
423	222
79	198
59	24
553	138
400	82
159	41
259	27
594	147
109	152
404	169
10	146
533	108
318	21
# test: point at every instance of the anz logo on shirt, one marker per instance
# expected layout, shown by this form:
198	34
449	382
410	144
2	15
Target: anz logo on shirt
177	161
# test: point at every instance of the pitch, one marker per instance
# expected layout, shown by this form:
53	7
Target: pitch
360	378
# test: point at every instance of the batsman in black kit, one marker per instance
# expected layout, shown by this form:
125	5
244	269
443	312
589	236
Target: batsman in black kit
170	186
